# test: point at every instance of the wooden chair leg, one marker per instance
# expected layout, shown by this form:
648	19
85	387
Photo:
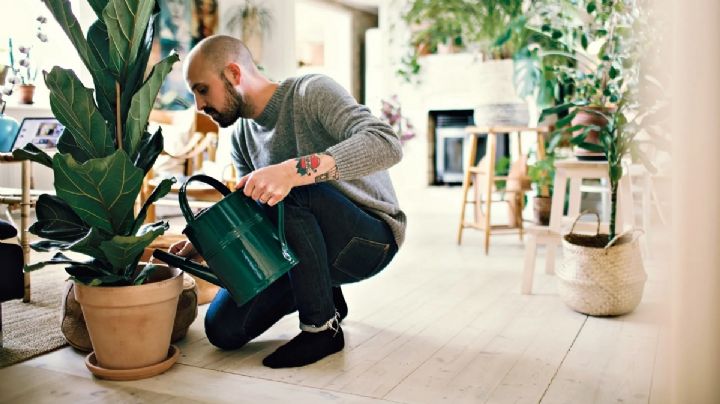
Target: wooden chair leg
550	251
529	271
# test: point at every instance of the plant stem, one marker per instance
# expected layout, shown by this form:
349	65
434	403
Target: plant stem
613	208
118	123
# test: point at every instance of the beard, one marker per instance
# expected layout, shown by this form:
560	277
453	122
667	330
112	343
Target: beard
236	107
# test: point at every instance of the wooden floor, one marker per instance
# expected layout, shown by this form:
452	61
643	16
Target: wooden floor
443	323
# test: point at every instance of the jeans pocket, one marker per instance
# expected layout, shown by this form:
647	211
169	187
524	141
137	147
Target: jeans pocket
361	258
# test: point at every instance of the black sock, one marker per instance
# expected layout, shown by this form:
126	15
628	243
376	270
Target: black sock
339	301
307	348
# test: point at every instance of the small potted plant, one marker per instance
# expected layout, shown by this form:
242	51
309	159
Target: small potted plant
25	69
254	21
542	175
103	155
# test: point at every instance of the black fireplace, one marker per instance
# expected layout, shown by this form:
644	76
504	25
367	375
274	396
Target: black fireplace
450	150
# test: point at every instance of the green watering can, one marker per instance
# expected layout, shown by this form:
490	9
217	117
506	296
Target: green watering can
244	252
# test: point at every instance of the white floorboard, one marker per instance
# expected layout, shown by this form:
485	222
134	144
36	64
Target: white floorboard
443	323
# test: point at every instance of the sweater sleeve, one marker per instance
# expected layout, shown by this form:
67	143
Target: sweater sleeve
365	144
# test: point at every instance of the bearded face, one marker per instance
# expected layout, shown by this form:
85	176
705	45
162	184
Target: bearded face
235	106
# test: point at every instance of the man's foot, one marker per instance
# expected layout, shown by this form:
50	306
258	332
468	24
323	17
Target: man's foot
339	301
307	348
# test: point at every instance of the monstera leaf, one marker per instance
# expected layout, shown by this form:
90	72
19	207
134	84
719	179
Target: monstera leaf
74	107
126	22
102	191
142	103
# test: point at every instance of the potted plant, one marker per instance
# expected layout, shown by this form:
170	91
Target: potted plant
254	21
603	274
447	26
563	46
542	175
103	155
25	69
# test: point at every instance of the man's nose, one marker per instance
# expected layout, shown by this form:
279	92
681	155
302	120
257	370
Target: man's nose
199	104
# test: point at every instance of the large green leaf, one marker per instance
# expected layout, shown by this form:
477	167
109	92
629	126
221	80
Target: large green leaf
142	103
98	6
98	41
527	72
90	244
58	258
161	190
150	148
67	144
56	220
74	107
126	21
62	11
32	153
124	251
136	72
102	191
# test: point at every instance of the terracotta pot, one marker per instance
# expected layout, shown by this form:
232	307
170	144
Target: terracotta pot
27	92
586	118
75	331
541	207
130	326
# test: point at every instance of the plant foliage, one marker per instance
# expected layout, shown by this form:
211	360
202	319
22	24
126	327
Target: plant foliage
105	150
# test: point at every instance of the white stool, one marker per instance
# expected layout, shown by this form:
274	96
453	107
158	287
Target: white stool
575	171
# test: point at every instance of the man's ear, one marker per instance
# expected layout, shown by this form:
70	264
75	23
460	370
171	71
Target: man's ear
233	73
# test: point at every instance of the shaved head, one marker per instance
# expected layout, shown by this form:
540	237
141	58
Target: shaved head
226	84
218	51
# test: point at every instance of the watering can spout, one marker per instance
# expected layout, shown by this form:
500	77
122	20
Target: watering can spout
187	265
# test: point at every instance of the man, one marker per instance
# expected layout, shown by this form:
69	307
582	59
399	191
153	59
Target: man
308	143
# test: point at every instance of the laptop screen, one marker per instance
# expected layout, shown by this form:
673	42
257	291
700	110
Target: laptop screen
42	132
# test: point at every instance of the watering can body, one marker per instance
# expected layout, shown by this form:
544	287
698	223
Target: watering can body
243	250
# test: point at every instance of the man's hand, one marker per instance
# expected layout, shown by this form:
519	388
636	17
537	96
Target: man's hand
184	248
273	183
269	184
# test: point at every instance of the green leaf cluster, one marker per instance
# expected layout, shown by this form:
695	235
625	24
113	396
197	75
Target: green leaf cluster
457	23
105	150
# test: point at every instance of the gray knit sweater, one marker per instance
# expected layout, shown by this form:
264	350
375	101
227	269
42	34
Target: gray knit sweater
314	114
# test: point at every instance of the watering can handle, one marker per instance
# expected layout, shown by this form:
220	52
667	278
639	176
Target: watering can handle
225	191
185	206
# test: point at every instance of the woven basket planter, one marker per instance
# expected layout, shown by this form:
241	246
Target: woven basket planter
599	278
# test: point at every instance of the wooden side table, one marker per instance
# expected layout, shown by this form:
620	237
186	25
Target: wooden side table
484	178
25	202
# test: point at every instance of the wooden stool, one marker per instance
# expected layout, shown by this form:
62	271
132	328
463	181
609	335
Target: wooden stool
484	178
575	171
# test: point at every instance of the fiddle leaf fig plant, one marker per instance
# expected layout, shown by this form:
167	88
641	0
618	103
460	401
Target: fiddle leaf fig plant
105	150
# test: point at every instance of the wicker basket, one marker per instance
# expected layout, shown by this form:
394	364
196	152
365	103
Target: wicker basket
601	279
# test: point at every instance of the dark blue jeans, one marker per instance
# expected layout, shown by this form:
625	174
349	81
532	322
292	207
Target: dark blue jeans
335	241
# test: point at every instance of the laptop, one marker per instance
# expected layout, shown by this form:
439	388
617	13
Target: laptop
42	132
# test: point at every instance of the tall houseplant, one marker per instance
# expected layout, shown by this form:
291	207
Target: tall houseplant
103	155
603	274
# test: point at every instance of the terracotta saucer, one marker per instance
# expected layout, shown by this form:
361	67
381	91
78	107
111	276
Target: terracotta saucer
132	374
